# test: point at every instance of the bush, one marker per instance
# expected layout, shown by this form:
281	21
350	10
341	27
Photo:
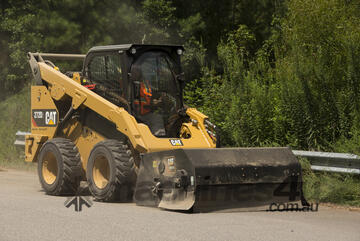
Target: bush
300	89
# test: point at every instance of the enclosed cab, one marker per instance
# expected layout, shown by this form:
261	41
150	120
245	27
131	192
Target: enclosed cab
145	80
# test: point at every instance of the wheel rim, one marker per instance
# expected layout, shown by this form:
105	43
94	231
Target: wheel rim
101	172
49	168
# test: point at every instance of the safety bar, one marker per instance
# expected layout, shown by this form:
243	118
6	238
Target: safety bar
58	56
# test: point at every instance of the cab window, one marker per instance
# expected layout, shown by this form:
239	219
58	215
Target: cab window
105	72
156	93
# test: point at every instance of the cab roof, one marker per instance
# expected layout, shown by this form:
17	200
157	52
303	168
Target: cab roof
126	47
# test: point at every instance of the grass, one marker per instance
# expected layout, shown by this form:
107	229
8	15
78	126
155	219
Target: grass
20	164
325	187
14	116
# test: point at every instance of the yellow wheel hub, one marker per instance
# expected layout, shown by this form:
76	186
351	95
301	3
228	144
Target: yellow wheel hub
49	168
101	172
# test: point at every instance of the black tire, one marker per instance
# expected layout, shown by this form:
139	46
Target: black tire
111	171
59	167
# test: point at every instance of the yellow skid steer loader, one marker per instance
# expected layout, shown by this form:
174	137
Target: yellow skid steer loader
121	125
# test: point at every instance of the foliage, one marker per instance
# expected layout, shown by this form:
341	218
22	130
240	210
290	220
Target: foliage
299	89
14	116
75	26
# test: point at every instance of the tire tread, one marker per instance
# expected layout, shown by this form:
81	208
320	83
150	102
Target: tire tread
72	170
124	173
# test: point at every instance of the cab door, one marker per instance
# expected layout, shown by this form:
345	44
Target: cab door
156	92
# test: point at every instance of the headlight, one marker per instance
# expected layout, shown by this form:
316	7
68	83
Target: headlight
179	51
210	129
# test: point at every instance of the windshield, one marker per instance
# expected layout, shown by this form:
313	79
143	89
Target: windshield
156	90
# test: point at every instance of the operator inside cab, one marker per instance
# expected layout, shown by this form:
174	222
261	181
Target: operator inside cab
156	98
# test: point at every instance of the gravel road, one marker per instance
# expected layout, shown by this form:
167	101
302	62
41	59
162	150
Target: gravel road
26	213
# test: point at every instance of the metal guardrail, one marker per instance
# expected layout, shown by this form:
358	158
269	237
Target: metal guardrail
20	138
331	161
320	161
